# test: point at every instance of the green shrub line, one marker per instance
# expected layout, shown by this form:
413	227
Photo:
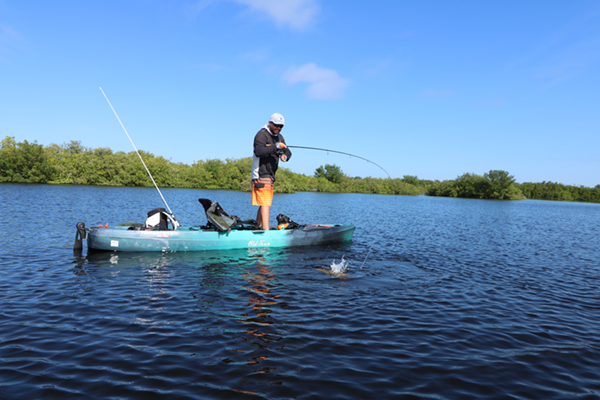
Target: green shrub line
495	184
72	163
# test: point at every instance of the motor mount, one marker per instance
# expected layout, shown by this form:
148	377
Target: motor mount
80	235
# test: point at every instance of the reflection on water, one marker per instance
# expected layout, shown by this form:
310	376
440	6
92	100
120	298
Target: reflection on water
247	277
262	330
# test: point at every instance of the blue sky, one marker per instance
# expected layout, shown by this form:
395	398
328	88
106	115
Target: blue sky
432	88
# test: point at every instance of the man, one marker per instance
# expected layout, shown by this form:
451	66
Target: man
269	148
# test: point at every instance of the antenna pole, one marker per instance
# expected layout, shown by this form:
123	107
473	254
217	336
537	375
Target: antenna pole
138	153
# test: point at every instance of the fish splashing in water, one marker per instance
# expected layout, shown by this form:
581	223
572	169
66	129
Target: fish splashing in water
339	268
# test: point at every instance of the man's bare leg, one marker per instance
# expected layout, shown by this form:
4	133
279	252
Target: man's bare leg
258	218
262	217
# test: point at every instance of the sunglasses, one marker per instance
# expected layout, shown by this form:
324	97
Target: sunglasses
278	126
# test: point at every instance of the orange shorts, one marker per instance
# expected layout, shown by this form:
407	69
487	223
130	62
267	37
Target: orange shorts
263	194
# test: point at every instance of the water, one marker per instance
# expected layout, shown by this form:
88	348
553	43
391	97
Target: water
458	299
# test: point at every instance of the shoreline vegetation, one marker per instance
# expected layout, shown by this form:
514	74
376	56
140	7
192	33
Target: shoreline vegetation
72	163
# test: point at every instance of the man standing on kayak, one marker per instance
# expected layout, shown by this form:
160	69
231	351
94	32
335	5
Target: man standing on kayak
269	148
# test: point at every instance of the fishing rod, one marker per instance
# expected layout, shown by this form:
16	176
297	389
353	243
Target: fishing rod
340	152
351	155
138	153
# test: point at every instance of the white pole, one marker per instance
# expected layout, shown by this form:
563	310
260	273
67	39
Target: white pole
138	153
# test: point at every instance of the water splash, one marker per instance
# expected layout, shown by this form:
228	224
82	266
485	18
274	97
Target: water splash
339	268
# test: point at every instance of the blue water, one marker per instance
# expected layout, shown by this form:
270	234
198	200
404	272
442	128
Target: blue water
458	299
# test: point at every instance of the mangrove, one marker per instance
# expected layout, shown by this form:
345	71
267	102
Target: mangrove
73	163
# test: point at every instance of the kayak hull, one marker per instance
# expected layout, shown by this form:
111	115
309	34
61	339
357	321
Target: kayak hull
191	239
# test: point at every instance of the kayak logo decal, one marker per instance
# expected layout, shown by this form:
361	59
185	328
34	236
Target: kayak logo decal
258	243
114	243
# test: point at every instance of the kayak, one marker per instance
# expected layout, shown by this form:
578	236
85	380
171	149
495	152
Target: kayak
122	238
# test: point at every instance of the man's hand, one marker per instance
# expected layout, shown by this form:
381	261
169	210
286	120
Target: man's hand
283	158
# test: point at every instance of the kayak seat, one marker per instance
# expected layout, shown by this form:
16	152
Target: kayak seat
284	222
158	220
219	220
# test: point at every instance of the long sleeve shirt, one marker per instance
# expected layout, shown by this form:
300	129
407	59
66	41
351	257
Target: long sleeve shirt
265	160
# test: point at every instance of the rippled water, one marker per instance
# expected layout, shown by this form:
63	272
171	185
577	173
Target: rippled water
457	299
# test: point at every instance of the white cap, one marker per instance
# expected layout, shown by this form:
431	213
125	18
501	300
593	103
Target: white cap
277	119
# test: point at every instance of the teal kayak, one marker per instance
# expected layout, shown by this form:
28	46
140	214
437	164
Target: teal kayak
120	238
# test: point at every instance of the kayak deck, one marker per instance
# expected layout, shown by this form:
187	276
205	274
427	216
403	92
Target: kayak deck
193	239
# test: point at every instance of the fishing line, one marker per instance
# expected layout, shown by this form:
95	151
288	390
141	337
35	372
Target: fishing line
351	155
340	152
138	153
367	255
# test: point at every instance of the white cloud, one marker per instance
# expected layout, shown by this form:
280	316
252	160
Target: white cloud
295	14
9	35
324	84
256	56
9	40
208	66
439	93
493	102
377	68
201	5
570	51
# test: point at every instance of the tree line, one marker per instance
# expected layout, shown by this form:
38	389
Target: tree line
558	191
73	163
497	184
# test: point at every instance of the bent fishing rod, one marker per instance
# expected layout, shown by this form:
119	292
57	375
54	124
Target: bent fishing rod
138	153
340	152
351	155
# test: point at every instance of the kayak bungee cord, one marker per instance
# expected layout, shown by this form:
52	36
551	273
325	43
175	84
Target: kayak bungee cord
138	153
340	152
